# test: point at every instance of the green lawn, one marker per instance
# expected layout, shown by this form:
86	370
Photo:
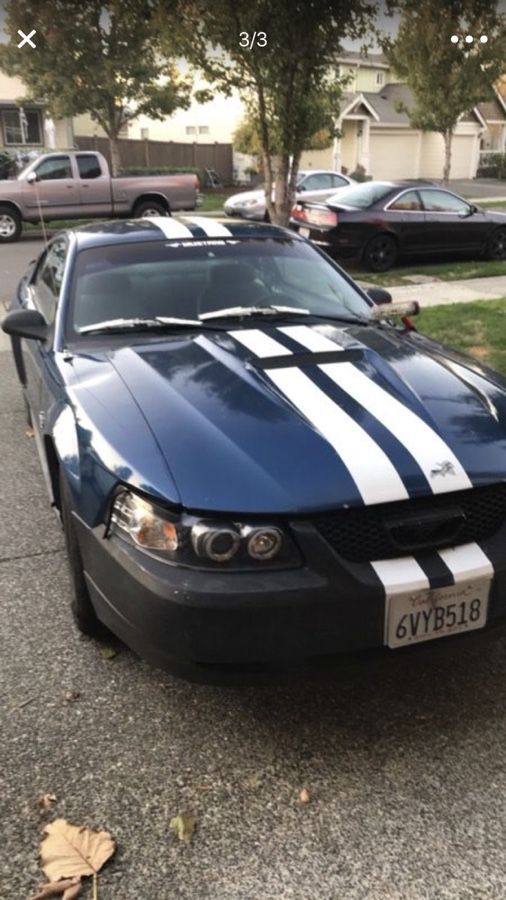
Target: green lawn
492	204
213	200
475	328
446	271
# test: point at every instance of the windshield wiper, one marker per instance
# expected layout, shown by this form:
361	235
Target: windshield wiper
141	324
240	312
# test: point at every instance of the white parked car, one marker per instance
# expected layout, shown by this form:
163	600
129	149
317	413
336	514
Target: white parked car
312	184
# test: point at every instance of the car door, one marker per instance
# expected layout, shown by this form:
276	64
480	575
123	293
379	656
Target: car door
317	186
405	215
55	189
94	185
451	223
38	359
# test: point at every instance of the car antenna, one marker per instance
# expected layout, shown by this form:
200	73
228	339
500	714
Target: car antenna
39	208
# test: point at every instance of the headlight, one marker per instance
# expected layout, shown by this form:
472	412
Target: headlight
139	520
263	543
188	540
249	202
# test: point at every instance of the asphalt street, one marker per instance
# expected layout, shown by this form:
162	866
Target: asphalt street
404	757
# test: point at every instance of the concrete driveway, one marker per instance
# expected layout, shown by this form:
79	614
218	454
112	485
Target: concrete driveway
404	757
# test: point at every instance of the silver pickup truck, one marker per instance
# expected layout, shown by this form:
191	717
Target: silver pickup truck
77	185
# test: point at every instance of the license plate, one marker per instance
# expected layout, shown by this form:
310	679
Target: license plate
305	232
417	616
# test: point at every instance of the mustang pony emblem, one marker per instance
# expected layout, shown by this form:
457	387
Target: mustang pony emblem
443	468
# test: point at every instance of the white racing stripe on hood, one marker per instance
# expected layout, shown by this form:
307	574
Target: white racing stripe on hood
170	227
425	445
211	228
376	478
467	561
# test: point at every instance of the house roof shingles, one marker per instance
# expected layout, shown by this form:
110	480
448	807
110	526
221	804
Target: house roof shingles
391	102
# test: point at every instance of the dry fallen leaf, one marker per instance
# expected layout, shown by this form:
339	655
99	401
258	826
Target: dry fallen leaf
30	432
54	888
183	825
70	696
44	802
250	783
107	652
73	892
69	850
304	796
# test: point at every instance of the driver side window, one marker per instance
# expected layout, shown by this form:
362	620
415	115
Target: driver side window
443	202
54	168
48	280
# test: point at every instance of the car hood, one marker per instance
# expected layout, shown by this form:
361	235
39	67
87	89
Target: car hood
238	199
305	418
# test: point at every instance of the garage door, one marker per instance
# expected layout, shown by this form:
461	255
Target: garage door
393	154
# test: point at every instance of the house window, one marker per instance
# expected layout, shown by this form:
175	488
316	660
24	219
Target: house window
190	129
22	126
380	77
203	129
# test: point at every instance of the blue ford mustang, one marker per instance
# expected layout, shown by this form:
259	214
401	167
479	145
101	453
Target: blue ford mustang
251	464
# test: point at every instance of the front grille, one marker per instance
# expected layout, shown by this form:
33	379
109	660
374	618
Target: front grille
367	532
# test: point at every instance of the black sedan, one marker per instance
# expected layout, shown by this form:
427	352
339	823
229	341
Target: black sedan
378	221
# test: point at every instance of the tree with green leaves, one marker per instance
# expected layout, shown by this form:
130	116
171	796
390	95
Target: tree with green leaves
282	58
246	139
447	79
97	57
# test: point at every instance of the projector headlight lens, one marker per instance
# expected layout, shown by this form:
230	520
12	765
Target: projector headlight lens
184	539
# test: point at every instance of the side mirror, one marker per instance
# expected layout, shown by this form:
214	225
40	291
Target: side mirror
379	296
301	187
31	177
26	323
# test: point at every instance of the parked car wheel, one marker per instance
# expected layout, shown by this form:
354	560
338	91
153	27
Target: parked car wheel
496	246
380	253
10	224
81	606
150	208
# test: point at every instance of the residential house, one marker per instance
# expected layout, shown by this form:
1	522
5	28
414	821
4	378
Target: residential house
375	131
25	126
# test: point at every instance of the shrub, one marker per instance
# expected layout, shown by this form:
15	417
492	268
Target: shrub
164	170
493	165
360	174
7	164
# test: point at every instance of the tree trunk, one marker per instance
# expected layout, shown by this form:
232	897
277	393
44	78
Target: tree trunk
266	151
448	138
281	200
115	155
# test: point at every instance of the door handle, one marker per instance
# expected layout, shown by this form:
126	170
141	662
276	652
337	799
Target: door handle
70	187
84	185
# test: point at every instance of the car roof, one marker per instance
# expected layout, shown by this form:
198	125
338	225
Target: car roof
176	228
320	172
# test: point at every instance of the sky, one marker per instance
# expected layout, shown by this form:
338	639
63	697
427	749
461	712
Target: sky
386	23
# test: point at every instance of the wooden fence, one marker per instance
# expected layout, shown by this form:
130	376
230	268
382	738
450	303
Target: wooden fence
166	153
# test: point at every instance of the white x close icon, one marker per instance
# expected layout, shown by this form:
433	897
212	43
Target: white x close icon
26	38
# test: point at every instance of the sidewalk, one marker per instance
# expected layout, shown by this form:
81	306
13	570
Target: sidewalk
436	293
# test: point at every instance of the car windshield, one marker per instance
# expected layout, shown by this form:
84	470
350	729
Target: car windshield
190	279
361	196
